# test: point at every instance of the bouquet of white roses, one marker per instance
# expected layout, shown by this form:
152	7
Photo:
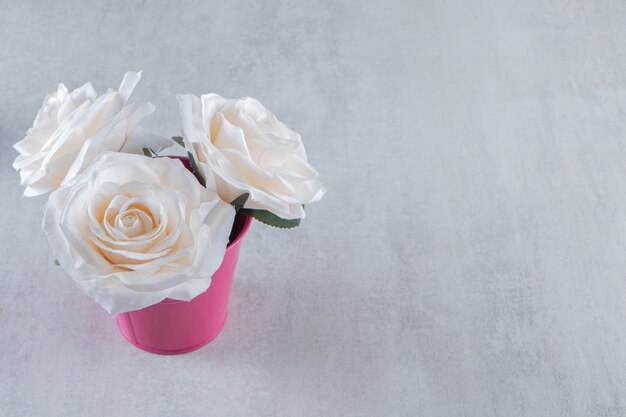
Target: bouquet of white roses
133	229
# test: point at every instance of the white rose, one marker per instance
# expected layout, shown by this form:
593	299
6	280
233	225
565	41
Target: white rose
249	150
132	231
72	129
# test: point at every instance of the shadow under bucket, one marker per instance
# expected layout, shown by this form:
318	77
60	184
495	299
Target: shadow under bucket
172	327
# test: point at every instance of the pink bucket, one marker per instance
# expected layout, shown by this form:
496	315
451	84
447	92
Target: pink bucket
172	327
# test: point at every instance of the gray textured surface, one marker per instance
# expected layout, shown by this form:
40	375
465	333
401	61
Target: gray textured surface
468	259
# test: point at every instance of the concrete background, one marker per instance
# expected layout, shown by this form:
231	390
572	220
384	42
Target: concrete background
468	259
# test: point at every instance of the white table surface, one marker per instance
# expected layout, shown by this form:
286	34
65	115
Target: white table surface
468	259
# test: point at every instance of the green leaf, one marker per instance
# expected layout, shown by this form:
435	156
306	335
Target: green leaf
271	219
178	140
194	166
147	152
240	201
56	262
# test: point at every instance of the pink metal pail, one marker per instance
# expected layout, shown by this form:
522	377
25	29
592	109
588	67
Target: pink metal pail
172	327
